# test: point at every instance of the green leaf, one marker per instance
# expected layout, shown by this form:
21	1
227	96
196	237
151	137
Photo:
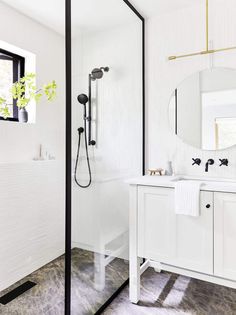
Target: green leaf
25	90
50	90
4	111
38	97
2	101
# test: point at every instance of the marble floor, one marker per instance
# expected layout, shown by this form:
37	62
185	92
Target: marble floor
47	297
171	294
161	294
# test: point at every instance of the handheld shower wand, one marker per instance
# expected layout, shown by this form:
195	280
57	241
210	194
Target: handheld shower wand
83	99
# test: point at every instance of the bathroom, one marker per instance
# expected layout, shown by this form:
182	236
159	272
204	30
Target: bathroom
118	159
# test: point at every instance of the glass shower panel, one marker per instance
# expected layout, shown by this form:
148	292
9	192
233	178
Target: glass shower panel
107	145
32	157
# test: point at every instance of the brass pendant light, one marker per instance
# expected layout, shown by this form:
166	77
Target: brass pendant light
207	51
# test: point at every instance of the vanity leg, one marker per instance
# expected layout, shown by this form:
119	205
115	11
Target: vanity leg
134	267
134	283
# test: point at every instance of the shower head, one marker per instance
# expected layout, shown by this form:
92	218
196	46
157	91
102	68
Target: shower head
82	99
105	69
97	73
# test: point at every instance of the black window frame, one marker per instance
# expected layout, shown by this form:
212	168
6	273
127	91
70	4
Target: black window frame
18	72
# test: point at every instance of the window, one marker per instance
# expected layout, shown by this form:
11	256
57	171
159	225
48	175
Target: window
12	68
225	131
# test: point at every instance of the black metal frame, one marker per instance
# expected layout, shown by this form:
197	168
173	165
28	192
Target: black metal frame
18	72
176	111
90	141
69	153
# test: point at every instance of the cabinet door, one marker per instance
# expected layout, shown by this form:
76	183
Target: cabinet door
178	240
225	235
156	223
194	238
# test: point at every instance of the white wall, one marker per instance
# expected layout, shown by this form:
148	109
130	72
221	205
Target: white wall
32	193
31	218
20	142
103	213
180	32
119	105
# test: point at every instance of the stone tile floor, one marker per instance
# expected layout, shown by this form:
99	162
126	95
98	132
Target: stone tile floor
161	294
171	294
47	297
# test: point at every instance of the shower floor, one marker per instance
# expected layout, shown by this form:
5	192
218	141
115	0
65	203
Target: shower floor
47	297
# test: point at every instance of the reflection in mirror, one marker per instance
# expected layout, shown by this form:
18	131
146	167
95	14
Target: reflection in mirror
203	109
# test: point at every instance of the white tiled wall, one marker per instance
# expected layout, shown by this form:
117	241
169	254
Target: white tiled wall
31	218
181	32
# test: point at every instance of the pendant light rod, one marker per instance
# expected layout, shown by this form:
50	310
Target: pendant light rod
207	25
207	51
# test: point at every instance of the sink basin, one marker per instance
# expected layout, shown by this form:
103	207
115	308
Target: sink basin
203	180
180	178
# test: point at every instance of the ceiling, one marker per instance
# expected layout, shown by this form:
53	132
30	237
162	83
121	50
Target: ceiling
48	12
89	15
150	8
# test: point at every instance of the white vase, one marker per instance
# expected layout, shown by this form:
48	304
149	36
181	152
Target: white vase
23	115
169	168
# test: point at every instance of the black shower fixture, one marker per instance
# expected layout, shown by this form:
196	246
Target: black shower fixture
83	99
96	74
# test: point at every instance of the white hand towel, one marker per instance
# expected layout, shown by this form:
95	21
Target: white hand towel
187	197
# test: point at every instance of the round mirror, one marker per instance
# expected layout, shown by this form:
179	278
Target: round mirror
203	109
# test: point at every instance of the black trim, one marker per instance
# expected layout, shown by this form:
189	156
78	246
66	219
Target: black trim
114	295
144	93
9	119
15	293
18	72
143	83
68	160
69	153
134	10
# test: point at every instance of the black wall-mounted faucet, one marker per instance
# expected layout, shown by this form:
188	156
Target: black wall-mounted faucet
209	162
224	162
196	161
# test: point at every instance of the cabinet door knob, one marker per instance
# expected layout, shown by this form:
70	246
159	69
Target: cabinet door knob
208	206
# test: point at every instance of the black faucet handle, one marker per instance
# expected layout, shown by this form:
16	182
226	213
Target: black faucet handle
210	161
196	161
224	162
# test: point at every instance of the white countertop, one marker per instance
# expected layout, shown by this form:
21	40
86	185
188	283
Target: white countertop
170	181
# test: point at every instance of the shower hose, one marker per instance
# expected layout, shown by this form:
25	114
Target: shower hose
80	131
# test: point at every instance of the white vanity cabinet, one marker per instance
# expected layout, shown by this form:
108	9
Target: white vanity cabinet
177	240
225	235
156	224
202	247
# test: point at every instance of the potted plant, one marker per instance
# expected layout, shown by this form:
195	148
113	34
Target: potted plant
24	91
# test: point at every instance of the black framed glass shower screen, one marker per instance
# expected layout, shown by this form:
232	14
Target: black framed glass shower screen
105	62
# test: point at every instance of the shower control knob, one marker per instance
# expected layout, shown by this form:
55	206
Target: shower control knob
196	161
92	142
224	162
208	206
